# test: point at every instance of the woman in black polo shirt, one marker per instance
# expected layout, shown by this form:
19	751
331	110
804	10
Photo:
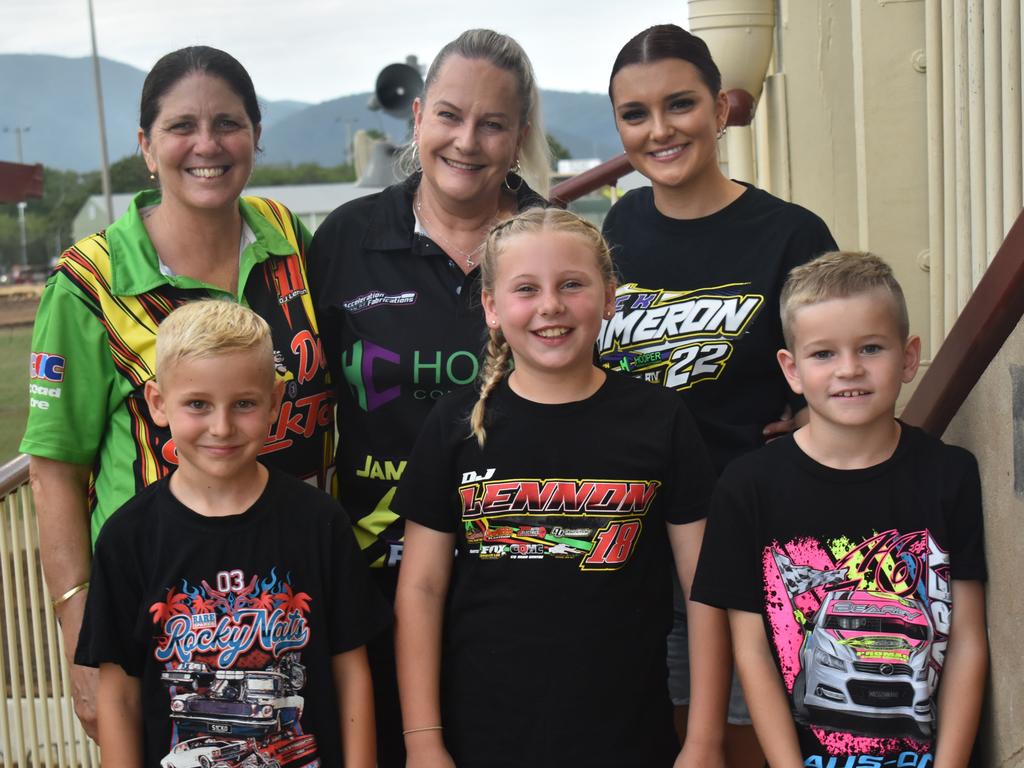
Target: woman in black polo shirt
395	280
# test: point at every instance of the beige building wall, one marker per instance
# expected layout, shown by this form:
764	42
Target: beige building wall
985	425
857	134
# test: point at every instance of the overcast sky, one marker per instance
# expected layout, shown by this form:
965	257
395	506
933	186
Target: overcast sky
314	50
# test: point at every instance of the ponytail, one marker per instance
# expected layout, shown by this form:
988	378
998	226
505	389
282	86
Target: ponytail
496	364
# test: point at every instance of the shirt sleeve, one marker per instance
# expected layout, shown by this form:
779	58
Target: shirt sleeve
691	473
358	610
729	573
967	547
70	377
426	494
112	608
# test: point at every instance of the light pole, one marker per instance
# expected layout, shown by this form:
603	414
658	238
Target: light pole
18	130
105	170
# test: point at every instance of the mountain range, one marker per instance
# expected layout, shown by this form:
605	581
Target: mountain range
54	97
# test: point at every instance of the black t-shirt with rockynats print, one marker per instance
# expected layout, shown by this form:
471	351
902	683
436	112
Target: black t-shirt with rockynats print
560	599
231	622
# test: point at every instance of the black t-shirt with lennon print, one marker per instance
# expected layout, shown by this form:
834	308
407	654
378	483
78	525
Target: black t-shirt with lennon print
231	622
852	572
697	310
560	599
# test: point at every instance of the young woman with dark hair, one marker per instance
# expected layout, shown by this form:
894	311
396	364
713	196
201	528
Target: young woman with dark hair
702	259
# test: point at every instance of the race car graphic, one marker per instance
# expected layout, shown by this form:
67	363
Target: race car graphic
607	548
204	753
280	751
238	702
866	654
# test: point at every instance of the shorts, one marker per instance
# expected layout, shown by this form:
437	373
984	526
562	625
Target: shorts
679	666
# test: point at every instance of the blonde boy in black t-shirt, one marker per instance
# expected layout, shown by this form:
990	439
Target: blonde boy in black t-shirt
840	551
230	606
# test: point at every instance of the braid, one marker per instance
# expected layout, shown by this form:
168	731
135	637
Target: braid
494	370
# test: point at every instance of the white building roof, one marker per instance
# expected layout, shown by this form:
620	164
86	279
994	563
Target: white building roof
310	202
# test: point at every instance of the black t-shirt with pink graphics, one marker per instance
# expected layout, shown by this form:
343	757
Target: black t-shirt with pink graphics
852	571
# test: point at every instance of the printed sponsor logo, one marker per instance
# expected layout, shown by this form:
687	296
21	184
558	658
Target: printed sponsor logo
45	366
35	389
434	373
890	610
287	276
567	497
491	551
395	550
902	760
381	470
231	618
378	298
311	355
676	338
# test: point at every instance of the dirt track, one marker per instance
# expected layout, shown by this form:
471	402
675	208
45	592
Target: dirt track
18	304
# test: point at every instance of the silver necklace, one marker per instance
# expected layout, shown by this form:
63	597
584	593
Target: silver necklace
425	224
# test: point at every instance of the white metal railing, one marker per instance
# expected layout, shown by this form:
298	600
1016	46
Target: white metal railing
38	726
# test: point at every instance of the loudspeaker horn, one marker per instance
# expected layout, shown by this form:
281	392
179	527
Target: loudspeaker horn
397	87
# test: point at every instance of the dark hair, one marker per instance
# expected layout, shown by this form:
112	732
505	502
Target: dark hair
667	41
170	69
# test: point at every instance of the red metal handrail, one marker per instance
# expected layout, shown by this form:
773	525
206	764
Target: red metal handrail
991	314
608	172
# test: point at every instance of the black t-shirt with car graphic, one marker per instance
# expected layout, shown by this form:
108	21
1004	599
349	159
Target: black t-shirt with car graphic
852	571
560	600
231	622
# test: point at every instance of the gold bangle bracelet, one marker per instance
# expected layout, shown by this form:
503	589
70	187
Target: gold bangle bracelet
424	728
69	594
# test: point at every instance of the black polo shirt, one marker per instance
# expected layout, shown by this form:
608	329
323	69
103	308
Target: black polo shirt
401	326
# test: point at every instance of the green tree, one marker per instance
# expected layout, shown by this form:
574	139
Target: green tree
558	150
130	174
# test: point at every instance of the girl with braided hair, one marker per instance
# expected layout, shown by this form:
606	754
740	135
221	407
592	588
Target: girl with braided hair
553	483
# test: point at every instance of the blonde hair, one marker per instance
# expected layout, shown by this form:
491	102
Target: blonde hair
839	275
498	355
504	53
211	327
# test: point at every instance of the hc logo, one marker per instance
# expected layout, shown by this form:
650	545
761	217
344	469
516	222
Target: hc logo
45	366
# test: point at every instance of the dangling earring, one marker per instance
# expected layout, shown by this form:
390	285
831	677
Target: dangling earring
721	132
514	173
417	166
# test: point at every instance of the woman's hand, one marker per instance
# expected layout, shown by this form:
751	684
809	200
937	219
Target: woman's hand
700	756
788	422
431	754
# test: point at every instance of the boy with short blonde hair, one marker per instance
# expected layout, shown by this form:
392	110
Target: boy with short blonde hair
229	604
841	550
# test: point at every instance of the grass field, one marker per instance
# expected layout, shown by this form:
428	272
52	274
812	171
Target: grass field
14	349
